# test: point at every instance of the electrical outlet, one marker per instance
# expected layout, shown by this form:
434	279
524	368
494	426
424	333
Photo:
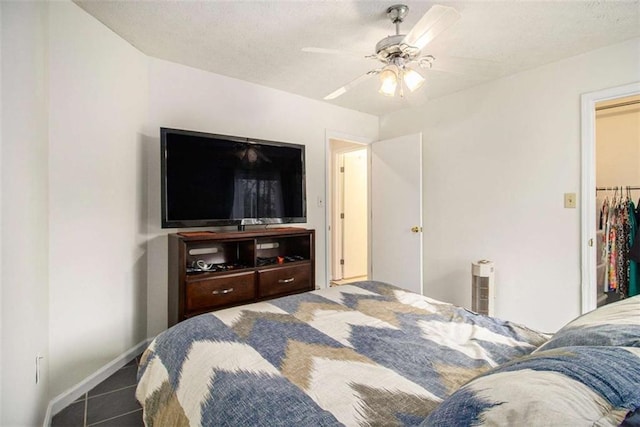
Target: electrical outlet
570	200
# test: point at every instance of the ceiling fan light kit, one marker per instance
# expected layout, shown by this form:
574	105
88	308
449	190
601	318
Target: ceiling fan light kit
388	80
393	76
399	51
412	79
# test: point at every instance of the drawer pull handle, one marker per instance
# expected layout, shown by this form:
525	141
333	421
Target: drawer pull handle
224	291
287	280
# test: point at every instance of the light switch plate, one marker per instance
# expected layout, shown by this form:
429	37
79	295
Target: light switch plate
570	200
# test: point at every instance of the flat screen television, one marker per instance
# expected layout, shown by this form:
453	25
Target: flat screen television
215	180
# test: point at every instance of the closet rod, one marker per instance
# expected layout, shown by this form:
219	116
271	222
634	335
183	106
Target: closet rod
621	104
628	187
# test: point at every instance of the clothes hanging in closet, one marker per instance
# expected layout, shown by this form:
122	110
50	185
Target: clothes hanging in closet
634	251
619	223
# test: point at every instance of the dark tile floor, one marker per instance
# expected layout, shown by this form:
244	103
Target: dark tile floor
110	403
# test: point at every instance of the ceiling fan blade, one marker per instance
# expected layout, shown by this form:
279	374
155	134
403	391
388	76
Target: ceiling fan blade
333	51
436	20
345	88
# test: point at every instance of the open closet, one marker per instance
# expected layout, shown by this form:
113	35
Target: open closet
618	198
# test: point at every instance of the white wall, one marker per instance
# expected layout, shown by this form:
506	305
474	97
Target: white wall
186	98
497	160
618	146
25	316
97	190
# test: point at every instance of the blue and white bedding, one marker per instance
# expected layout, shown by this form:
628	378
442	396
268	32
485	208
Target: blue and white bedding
615	324
587	374
361	354
568	386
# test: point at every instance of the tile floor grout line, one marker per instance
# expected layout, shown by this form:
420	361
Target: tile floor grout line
112	418
111	391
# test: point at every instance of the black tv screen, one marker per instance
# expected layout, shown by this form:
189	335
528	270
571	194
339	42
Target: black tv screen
213	180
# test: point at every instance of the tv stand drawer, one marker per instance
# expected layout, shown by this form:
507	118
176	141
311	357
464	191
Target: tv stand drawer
284	280
219	291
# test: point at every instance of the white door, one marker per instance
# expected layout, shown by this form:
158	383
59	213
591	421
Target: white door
396	212
354	222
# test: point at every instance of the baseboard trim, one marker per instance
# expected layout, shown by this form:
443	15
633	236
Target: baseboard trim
69	396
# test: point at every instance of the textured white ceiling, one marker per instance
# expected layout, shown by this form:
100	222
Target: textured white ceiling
261	41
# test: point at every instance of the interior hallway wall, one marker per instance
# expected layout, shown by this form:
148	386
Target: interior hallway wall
338	148
356	224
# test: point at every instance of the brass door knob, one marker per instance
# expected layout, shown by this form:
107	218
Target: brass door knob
416	229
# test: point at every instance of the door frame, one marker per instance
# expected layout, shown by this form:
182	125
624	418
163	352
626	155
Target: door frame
588	181
328	206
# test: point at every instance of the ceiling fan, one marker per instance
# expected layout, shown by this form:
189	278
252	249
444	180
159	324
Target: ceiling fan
400	52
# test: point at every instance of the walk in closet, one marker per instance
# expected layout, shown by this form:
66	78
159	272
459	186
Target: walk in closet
618	198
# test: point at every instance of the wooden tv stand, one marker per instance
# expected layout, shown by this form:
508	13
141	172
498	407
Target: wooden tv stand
210	270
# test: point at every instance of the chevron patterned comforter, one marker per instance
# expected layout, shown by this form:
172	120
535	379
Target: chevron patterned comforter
362	354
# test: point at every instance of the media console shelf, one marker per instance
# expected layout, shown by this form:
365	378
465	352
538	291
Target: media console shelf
209	271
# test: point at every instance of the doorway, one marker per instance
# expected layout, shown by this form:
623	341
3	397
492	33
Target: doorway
617	191
590	206
349	211
393	217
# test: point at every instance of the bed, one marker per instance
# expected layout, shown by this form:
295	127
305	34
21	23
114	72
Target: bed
372	354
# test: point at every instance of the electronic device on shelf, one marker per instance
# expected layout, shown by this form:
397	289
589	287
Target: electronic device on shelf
202	267
214	180
262	261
